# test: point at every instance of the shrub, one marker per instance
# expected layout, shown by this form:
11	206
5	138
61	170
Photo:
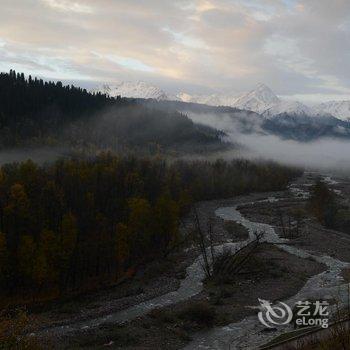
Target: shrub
200	313
162	315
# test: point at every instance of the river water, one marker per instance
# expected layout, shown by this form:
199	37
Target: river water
248	333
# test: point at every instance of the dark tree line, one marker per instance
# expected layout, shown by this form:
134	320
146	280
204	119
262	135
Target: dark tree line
81	224
327	207
323	204
34	112
33	108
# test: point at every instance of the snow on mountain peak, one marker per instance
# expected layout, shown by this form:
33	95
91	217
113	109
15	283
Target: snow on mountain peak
265	92
211	100
261	100
257	100
290	107
339	109
139	89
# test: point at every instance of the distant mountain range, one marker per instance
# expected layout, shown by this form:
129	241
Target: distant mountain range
234	122
339	109
130	89
261	100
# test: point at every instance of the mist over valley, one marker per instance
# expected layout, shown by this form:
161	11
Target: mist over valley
174	175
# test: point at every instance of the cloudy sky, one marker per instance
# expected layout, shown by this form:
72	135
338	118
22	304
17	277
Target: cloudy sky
300	48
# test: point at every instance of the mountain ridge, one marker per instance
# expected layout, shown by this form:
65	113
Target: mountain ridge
339	109
129	89
261	100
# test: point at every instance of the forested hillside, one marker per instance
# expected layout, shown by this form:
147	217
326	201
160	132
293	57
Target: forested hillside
89	221
31	108
82	224
37	113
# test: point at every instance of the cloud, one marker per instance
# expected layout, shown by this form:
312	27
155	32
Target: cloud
67	6
295	46
322	154
326	154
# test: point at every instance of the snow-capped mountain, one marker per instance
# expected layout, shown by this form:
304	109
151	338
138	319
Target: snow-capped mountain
289	107
286	119
339	109
257	100
130	89
211	100
261	100
264	101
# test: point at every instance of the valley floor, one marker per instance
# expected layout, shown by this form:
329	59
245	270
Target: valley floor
136	316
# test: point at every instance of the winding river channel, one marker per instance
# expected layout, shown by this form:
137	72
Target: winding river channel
248	333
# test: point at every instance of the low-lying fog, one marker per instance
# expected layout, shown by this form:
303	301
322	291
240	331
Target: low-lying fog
325	154
38	155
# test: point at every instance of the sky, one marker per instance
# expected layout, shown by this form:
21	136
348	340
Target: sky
299	48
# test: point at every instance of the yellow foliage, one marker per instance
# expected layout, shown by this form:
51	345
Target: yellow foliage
18	203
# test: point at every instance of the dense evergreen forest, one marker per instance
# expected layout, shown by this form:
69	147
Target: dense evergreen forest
31	108
37	113
81	224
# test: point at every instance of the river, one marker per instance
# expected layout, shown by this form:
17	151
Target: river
249	332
